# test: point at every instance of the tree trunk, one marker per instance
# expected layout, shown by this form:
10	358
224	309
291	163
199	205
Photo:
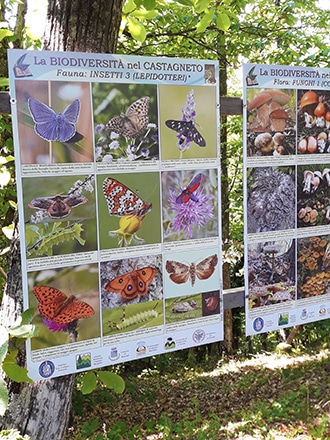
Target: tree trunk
83	25
42	410
293	333
228	317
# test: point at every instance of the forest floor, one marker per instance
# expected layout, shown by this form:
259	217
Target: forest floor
268	396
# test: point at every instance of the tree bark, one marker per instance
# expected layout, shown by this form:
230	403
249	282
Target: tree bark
42	410
293	333
83	25
228	316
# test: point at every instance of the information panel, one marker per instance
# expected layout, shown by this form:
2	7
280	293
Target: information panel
287	195
117	161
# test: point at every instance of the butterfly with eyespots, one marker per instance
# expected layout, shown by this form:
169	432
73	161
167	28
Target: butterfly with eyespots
132	284
123	201
133	122
187	132
180	273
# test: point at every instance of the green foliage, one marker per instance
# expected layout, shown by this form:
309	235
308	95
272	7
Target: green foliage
87	382
223	22
118	431
134	13
140	16
136	29
89	427
140	394
7	193
234	252
112	381
10	341
320	428
12	35
261	31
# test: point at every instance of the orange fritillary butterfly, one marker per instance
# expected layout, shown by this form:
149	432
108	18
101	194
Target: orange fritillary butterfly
123	201
56	306
134	121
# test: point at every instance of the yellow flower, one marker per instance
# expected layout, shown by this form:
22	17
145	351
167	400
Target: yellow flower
129	224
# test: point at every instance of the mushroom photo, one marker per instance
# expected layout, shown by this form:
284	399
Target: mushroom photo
271	272
271	122
313	122
313	262
313	195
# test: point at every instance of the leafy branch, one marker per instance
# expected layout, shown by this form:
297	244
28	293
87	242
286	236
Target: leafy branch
10	341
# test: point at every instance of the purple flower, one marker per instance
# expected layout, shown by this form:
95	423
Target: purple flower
190	214
131	149
98	151
114	145
188	114
145	152
183	142
188	111
54	326
99	128
107	158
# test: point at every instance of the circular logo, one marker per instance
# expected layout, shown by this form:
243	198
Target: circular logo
46	369
198	335
258	324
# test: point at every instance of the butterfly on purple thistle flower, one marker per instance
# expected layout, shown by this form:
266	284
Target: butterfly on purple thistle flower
188	193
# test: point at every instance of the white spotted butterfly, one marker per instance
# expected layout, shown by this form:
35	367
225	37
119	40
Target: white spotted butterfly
180	273
123	201
134	121
187	131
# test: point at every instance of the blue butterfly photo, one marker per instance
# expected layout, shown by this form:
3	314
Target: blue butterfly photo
53	126
55	122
